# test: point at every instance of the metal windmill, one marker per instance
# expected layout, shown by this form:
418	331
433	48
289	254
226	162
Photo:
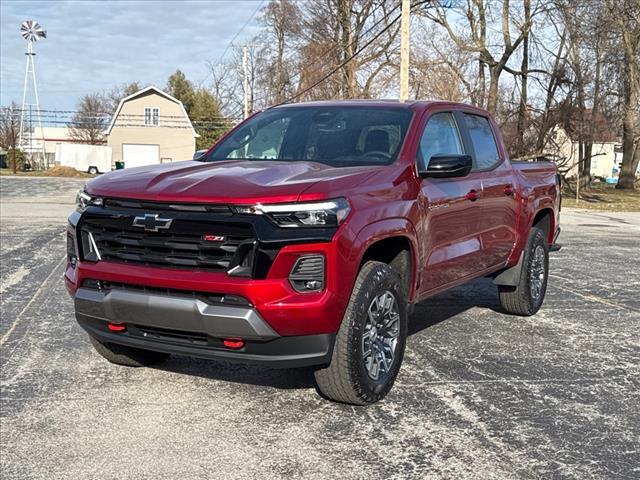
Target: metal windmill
31	31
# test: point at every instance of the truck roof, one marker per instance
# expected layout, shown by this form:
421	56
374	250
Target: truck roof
409	104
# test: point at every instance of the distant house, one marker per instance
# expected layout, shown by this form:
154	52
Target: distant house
605	152
151	127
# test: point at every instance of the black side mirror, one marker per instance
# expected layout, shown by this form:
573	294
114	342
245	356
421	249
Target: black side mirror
447	166
199	154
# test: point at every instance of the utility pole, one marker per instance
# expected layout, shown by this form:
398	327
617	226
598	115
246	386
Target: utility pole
404	50
245	77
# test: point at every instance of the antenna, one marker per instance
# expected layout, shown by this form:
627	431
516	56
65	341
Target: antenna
31	31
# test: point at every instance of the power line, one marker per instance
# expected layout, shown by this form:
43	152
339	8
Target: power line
333	49
237	112
342	64
229	45
67	113
240	31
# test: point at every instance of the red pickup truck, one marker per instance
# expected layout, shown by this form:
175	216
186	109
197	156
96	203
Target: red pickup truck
304	236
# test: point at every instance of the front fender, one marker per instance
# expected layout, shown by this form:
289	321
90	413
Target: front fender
381	230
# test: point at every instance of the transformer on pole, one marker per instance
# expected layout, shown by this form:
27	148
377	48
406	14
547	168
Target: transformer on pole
31	31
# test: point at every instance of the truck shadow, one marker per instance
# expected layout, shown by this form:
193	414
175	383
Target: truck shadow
479	293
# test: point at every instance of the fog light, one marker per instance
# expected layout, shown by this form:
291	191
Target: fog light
307	274
313	285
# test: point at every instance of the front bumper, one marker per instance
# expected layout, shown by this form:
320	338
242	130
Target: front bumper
269	292
193	326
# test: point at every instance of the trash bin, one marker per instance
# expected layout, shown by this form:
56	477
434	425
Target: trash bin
119	165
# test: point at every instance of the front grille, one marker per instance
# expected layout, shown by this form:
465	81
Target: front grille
183	245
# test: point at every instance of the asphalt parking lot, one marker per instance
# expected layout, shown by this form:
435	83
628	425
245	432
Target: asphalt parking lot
480	394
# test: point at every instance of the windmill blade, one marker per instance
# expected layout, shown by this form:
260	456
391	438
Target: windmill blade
25	29
31	31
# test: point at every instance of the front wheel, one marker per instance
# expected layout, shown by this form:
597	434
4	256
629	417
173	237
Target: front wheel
370	344
526	298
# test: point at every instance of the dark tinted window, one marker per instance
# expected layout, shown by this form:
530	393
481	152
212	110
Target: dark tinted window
440	136
336	136
484	143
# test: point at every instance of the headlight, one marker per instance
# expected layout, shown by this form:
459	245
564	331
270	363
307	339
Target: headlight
328	213
83	200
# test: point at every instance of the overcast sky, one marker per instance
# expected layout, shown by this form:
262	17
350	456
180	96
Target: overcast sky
94	45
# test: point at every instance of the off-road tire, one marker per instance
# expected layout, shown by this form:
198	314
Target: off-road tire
127	356
519	300
346	379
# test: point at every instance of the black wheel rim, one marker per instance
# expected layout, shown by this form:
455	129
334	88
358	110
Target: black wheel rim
380	335
537	273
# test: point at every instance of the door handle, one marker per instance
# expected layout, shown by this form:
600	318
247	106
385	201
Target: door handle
508	190
472	195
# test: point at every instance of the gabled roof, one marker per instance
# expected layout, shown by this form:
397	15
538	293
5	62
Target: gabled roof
145	90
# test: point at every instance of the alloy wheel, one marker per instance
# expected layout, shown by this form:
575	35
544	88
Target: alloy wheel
380	335
537	273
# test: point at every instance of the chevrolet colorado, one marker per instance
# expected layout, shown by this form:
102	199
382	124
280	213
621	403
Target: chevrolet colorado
304	236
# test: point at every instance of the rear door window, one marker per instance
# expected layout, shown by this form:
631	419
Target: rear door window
483	140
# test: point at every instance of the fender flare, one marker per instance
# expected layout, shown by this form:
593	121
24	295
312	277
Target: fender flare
381	230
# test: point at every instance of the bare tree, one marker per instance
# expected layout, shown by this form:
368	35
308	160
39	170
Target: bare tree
89	122
225	87
9	131
524	86
439	69
355	38
625	16
477	16
111	98
282	20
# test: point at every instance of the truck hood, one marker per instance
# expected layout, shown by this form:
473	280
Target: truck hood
235	181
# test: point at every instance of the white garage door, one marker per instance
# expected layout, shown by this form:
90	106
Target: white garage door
138	155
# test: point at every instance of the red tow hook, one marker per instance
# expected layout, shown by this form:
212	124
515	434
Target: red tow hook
233	343
117	327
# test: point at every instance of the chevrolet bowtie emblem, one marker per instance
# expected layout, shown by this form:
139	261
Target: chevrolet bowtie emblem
152	223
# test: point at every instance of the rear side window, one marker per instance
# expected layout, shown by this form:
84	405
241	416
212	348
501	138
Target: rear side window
484	143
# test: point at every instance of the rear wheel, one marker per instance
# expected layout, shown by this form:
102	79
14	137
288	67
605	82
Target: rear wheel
127	356
93	170
526	298
370	344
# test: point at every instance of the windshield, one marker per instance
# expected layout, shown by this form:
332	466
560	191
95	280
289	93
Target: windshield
336	136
